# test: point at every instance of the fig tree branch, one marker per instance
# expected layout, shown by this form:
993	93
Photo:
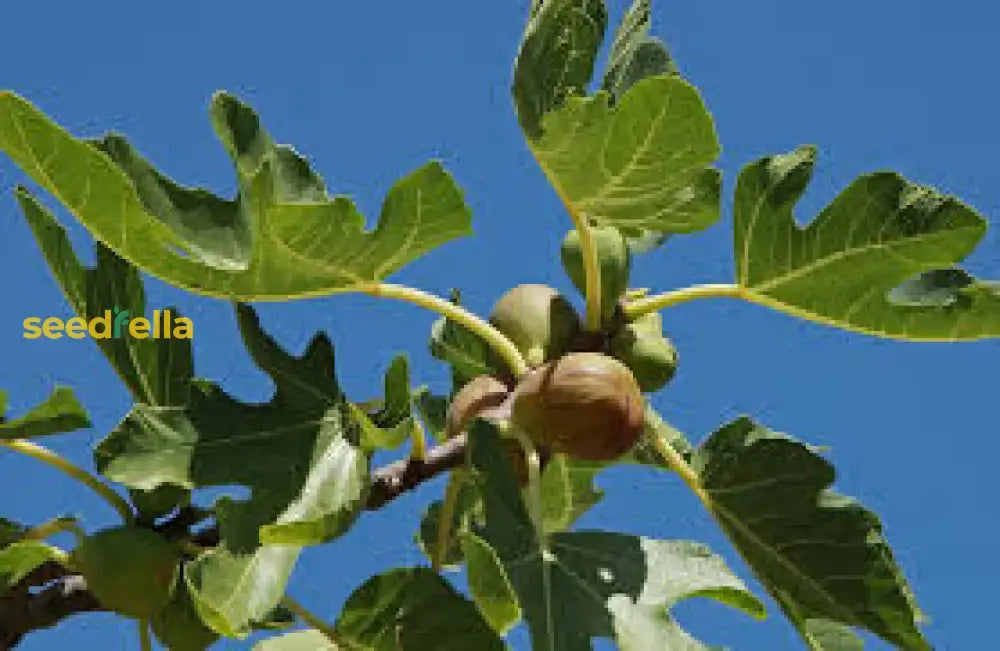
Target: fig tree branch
26	608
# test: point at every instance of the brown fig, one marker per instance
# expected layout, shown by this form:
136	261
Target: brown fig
587	405
483	395
538	319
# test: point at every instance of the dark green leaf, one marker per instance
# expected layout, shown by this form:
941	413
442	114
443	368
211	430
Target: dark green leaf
824	635
556	57
876	260
645	164
59	413
821	555
392	423
297	453
10	532
464	350
413	609
156	371
593	584
635	54
568	491
433	411
178	626
467	504
282	238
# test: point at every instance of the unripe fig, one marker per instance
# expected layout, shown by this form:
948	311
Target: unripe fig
179	627
130	570
650	356
613	258
587	405
483	395
539	320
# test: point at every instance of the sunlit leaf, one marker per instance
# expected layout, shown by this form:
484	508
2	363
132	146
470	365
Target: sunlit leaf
282	237
60	412
877	260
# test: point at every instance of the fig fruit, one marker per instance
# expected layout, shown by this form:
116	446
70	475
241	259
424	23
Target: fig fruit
482	395
650	356
613	258
179	627
130	570
587	405
538	319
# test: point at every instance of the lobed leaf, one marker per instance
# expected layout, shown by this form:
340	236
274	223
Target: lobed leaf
635	55
413	608
282	237
643	165
299	455
593	584
821	555
556	57
879	259
61	412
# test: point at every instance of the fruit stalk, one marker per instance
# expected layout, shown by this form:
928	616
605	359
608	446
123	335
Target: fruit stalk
49	457
493	337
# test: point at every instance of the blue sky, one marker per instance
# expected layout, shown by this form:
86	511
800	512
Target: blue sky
369	91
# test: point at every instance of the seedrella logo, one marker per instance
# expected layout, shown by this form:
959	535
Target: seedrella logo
115	324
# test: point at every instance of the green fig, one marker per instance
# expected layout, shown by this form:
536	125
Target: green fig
130	570
650	356
482	395
538	319
613	259
587	405
179	627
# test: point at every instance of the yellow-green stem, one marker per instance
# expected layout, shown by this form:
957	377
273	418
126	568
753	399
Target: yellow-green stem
534	487
419	437
676	462
145	639
49	457
496	339
444	522
592	274
315	622
637	308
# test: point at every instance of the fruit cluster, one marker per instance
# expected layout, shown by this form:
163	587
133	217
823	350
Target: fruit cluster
583	394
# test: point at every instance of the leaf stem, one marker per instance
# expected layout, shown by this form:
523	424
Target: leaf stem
496	339
637	308
676	462
49	457
145	639
534	464
419	449
444	521
592	274
315	622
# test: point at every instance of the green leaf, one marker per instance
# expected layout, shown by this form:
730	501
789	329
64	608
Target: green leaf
568	491
465	351
413	608
635	54
820	554
19	559
283	237
593	584
10	532
433	411
876	260
488	583
61	412
310	640
644	164
467	505
156	371
392	423
824	635
297	453
653	426
556	57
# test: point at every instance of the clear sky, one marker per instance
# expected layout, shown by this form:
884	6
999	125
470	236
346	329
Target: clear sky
370	90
